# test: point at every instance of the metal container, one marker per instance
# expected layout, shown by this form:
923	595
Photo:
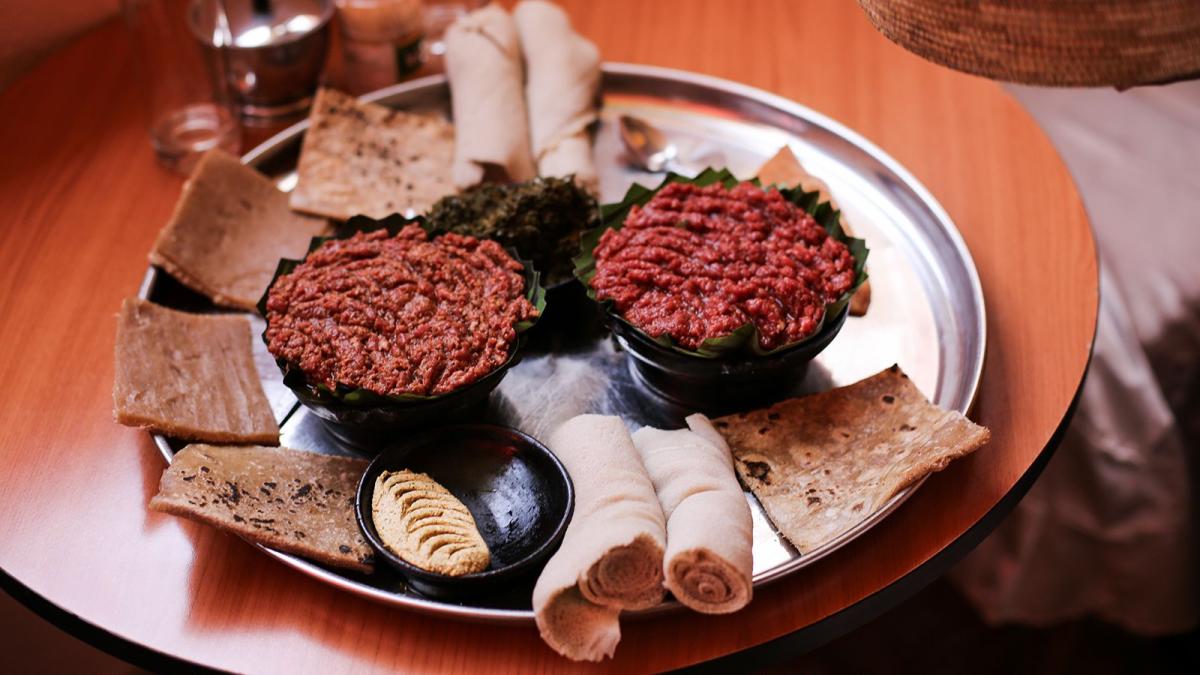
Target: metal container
267	55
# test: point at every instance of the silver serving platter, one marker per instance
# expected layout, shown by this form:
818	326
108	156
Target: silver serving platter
927	311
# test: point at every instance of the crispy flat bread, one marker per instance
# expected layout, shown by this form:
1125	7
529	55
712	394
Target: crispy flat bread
364	158
290	500
422	522
229	230
820	464
189	376
785	169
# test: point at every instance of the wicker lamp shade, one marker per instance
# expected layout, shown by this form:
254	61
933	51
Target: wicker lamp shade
1051	42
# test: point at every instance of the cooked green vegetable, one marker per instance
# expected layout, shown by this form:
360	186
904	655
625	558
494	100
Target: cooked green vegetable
542	219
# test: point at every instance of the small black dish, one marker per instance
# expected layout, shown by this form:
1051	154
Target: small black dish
720	385
520	495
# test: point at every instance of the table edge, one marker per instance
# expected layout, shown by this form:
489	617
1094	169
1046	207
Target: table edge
117	646
767	653
876	604
796	642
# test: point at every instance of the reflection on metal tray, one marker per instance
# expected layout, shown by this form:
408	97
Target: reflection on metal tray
927	311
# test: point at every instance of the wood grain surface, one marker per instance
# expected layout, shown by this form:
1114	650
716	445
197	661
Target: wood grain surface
83	199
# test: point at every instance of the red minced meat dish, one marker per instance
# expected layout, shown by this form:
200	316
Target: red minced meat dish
700	262
399	315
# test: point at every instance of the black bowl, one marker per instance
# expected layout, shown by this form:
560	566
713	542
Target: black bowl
366	424
367	427
721	385
520	495
567	306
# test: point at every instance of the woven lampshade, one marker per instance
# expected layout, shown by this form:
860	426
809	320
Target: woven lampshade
1118	43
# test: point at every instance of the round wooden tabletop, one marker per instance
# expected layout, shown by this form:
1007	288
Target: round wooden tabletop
84	199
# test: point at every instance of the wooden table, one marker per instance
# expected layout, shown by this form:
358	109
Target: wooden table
83	199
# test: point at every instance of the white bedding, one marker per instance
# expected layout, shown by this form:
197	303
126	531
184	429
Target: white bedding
1109	530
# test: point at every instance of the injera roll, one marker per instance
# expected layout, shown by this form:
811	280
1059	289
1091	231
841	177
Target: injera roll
709	559
562	81
611	556
483	63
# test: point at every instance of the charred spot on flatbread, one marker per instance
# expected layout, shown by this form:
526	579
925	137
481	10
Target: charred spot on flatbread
189	376
230	228
828	461
784	168
760	471
232	488
363	158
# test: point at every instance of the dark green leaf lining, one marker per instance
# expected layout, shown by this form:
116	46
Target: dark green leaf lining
295	379
744	338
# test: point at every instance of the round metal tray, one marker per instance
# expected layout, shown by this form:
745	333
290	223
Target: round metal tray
927	311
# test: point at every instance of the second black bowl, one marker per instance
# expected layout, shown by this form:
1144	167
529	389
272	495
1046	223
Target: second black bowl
369	427
519	494
721	385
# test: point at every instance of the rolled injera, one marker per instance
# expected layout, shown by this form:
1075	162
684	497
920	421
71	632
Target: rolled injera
562	83
483	63
611	556
709	561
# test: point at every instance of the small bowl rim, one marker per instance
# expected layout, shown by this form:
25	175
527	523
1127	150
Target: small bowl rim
363	515
637	337
303	391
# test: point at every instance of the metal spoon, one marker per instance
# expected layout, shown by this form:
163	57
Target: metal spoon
647	146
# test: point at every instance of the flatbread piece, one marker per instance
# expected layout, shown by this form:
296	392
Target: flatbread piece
229	230
189	376
785	169
289	500
820	464
364	158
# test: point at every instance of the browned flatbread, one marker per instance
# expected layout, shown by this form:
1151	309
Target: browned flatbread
189	376
229	230
785	169
363	158
820	464
290	500
860	302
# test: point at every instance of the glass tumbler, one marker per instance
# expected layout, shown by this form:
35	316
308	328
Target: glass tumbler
186	117
376	31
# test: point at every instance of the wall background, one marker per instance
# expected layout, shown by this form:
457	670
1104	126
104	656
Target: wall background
30	29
